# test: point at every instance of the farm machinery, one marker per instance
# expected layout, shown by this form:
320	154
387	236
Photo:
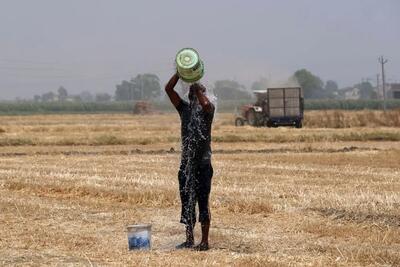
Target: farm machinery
274	107
142	108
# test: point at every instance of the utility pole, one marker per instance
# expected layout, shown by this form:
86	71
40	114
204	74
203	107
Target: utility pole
383	61
378	89
141	87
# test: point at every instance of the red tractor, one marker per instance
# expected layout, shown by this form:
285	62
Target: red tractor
250	114
274	107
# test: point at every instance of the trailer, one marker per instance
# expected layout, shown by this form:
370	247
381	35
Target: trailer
274	107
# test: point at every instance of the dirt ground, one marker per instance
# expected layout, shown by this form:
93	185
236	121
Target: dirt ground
69	185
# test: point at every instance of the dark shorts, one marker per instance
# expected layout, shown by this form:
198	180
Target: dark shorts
195	190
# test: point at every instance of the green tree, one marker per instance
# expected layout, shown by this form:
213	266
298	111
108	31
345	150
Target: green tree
37	98
103	97
312	85
62	94
47	97
146	86
142	87
366	90
331	86
123	91
86	96
261	84
331	89
230	90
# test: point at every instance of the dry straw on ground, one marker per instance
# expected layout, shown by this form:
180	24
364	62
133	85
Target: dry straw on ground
346	119
280	197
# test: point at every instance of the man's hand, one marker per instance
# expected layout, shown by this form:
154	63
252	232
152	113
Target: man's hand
205	103
169	89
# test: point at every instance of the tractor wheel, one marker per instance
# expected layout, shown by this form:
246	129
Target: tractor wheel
299	124
239	122
252	118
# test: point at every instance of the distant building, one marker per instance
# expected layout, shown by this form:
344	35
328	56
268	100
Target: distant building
393	91
351	93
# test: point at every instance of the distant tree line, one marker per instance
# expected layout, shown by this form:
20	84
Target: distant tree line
147	87
315	88
62	95
29	107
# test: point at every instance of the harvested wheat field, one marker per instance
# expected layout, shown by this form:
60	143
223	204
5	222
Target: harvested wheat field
69	184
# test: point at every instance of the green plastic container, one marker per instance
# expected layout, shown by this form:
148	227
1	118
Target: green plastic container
188	65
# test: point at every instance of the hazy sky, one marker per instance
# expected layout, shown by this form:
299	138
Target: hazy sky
94	44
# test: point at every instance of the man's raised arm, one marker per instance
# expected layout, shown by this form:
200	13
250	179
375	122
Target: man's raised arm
169	89
203	99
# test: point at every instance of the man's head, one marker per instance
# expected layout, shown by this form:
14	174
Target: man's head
192	91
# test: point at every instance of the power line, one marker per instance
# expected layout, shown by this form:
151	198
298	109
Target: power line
24	61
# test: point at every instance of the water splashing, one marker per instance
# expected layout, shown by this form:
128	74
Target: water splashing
195	149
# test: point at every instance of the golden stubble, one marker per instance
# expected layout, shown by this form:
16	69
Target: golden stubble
280	197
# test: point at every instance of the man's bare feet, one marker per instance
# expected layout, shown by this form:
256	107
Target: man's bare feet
201	247
184	245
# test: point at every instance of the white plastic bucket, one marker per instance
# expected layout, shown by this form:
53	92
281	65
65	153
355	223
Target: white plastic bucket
139	236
